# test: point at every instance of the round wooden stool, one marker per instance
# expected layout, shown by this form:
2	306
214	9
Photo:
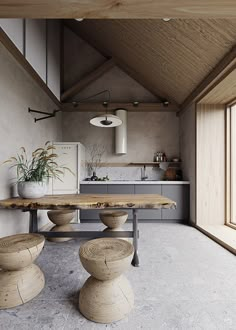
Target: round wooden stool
20	279
107	295
61	219
113	220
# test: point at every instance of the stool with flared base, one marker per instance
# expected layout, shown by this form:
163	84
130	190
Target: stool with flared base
61	219
114	220
20	279
107	295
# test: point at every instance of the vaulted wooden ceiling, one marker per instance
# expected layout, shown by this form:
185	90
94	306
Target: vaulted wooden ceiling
169	58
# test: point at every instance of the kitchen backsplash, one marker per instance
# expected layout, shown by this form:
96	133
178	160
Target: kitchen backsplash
129	173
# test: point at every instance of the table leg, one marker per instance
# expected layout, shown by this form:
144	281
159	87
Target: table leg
135	261
33	222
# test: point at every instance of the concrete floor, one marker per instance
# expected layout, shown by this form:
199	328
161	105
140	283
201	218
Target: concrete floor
185	281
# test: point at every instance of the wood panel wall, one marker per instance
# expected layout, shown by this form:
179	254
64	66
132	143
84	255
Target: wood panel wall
188	154
210	164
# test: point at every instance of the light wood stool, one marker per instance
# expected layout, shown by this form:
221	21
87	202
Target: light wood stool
107	295
20	279
114	220
61	219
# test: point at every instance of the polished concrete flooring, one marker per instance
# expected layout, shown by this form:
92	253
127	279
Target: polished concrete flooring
185	281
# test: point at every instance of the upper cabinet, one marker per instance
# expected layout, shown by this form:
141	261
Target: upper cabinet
53	56
14	28
36	45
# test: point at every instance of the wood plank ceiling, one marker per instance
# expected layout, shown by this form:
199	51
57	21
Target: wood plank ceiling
228	85
117	8
171	57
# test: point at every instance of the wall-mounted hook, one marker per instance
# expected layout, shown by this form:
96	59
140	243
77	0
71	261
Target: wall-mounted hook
48	114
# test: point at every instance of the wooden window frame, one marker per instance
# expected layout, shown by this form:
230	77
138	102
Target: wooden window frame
228	165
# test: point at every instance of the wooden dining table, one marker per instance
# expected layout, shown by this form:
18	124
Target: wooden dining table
88	202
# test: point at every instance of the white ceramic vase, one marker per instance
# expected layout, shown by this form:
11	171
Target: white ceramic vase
31	189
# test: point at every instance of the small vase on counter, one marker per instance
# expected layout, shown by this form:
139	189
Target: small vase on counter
94	177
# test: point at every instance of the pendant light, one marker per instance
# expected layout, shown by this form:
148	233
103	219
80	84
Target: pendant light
106	120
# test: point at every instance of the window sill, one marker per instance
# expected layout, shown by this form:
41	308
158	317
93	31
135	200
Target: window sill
222	234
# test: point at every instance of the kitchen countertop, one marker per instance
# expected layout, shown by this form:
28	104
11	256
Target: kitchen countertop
134	182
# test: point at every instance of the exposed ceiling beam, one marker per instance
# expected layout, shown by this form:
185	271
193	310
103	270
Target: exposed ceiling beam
133	107
222	70
106	53
117	9
5	40
87	80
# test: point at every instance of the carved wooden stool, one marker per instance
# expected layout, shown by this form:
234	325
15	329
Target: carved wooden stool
107	295
20	279
113	220
61	219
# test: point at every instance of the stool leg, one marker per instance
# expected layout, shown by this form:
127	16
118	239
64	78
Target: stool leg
135	261
61	228
106	301
20	286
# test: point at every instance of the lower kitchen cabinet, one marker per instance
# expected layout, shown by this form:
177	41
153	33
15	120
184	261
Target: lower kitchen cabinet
177	192
148	189
91	189
122	189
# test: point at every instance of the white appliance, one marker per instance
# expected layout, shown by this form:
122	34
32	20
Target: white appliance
71	155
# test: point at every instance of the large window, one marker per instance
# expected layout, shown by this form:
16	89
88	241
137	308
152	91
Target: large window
231	165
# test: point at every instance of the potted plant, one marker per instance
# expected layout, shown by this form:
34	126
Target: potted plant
33	173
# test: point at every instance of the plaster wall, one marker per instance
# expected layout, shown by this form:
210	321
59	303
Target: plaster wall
80	59
188	153
18	91
147	133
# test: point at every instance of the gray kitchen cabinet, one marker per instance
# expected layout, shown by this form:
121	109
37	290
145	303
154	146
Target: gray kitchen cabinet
35	45
53	56
91	189
14	28
148	189
179	194
121	189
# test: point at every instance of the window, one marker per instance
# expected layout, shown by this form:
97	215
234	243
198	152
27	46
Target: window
231	164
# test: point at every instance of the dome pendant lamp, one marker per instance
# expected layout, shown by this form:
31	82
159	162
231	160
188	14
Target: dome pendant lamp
106	120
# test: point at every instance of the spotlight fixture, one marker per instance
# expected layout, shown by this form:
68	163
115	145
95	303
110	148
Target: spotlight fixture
166	19
79	19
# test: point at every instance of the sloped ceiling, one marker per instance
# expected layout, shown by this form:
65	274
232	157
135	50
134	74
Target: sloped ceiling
171	58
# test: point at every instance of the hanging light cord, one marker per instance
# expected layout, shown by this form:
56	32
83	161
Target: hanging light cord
76	103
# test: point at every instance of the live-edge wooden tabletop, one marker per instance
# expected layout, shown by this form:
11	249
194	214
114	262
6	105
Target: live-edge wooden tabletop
89	201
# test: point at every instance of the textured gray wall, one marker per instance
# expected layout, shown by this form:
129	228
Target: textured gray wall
147	133
188	153
18	91
80	59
